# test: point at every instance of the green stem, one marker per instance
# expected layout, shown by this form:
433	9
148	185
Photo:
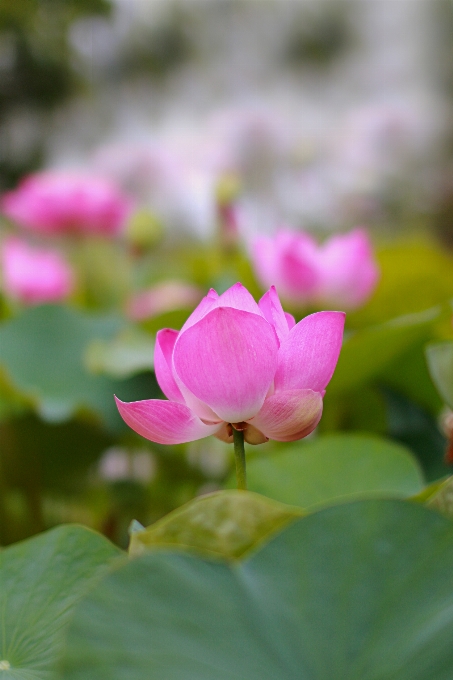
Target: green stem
239	454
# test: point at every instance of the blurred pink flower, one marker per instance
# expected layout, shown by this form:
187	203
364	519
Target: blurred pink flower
236	363
164	297
34	275
342	272
63	202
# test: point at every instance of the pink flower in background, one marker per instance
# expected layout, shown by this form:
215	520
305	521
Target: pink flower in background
236	363
167	296
64	202
348	269
342	272
34	275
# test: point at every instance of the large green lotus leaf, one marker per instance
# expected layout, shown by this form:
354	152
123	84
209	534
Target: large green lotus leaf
42	353
440	363
367	352
226	523
334	468
41	579
361	591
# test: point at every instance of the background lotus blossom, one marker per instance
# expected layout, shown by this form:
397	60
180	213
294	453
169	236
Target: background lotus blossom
63	202
242	364
34	275
164	297
342	272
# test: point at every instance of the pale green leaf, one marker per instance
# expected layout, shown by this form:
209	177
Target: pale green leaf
226	523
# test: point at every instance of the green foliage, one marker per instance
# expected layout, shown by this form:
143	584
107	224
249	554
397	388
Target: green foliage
40	582
414	427
440	361
54	455
351	592
226	523
335	468
415	275
438	496
408	375
42	463
366	353
42	354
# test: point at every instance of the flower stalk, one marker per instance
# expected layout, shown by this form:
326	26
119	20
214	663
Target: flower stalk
239	455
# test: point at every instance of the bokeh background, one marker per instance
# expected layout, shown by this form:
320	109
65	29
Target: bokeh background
218	121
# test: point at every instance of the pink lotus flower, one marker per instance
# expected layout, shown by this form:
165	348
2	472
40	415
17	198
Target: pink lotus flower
34	275
62	202
242	364
341	272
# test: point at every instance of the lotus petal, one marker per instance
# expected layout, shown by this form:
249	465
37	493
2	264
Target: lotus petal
272	310
163	364
164	422
290	320
308	355
206	305
238	297
288	416
228	360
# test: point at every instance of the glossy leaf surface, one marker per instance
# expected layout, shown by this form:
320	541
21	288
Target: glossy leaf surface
351	593
226	523
41	579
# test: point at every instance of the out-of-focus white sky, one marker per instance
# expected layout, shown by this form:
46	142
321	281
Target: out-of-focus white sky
180	91
239	47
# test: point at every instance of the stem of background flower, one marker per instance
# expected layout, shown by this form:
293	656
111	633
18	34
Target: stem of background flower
239	454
